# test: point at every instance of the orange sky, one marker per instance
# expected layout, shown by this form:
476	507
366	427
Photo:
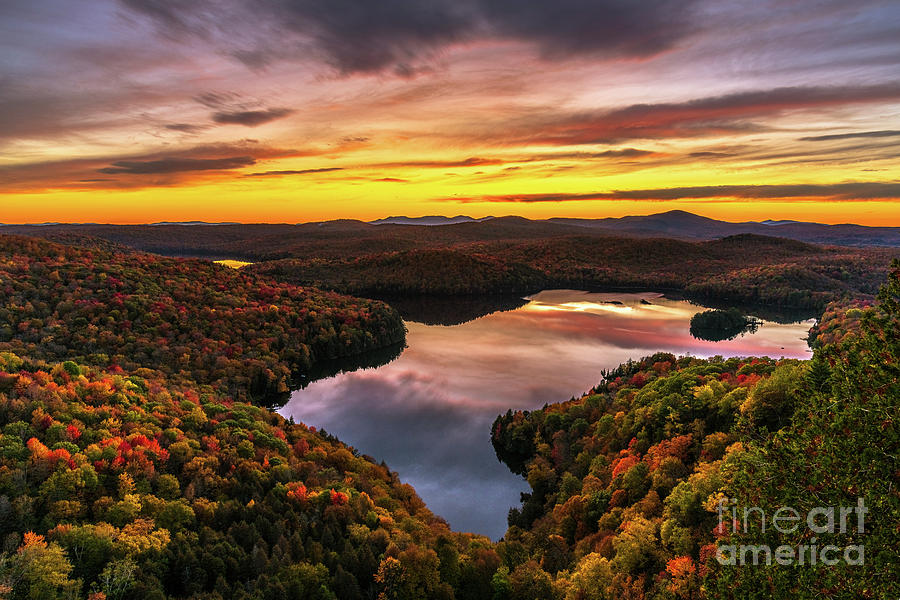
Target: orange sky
135	111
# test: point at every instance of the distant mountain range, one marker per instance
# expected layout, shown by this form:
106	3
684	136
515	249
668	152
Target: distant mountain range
429	220
262	241
680	224
158	223
685	225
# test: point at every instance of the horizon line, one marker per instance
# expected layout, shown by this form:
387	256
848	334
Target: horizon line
202	223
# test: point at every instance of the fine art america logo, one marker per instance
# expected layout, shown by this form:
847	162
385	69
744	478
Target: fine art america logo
821	520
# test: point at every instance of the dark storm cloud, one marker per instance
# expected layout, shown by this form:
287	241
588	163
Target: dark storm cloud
845	136
839	191
177	165
300	172
251	118
363	36
569	27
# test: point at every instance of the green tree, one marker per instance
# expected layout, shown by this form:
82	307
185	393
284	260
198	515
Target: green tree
40	571
591	579
840	450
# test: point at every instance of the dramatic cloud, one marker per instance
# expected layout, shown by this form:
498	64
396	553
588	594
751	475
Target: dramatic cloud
142	170
709	116
185	127
844	153
608	27
442	164
623	153
472	97
177	165
217	99
838	191
251	118
474	162
844	136
362	36
710	154
300	172
170	14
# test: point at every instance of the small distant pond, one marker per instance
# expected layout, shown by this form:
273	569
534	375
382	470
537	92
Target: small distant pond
428	412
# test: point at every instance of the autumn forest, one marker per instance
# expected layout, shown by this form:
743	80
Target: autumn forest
449	300
139	459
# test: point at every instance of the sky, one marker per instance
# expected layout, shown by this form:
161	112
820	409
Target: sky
131	111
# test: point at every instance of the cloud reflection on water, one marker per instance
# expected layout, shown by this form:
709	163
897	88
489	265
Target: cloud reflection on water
428	413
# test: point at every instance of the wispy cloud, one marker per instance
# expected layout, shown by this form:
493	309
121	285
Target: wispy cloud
858	134
185	127
839	191
142	170
482	96
292	172
710	116
473	161
251	118
176	165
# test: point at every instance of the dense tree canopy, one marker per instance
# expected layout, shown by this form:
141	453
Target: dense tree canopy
250	336
717	325
620	477
129	467
841	449
131	486
132	465
627	480
745	269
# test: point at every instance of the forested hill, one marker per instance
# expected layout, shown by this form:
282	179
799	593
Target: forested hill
512	255
747	269
264	241
120	485
246	335
626	479
685	225
130	470
328	239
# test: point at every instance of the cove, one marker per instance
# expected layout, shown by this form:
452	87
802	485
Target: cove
428	412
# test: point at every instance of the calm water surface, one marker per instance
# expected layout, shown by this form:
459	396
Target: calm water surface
428	413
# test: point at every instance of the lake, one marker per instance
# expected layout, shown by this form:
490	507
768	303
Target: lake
428	413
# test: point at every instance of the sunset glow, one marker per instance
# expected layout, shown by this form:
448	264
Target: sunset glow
140	111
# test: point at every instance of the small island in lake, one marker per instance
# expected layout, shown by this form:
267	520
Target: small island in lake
722	324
